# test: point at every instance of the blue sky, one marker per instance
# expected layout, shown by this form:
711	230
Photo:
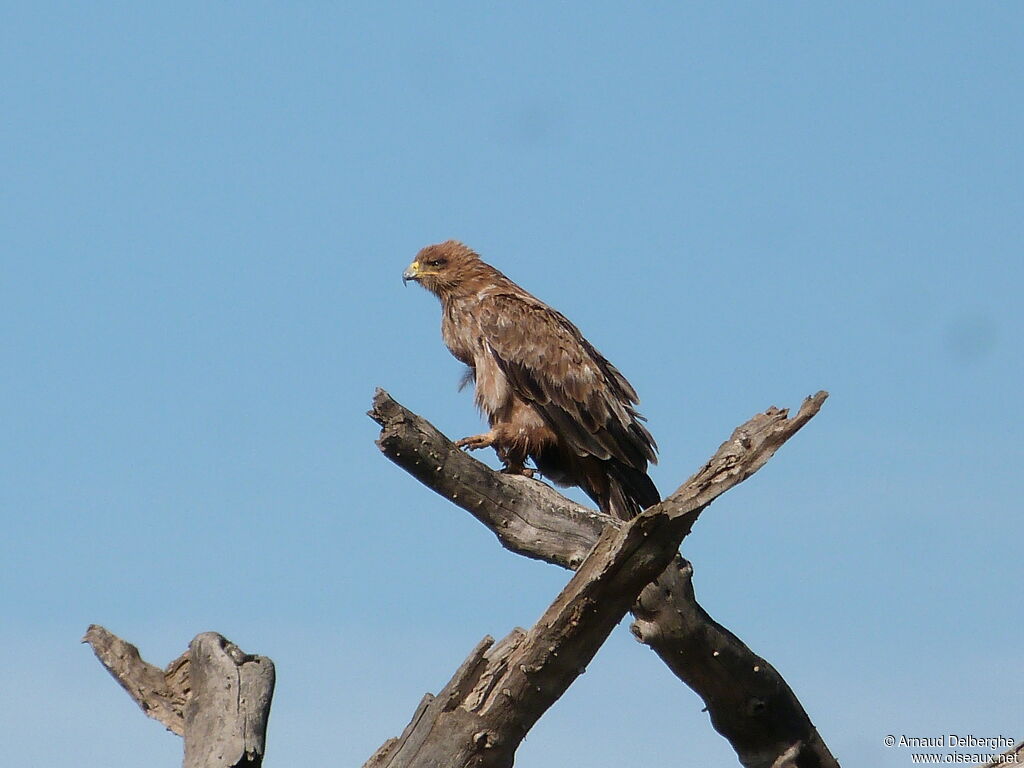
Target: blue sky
205	213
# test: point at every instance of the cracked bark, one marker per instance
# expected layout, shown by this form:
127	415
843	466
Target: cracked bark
500	691
215	696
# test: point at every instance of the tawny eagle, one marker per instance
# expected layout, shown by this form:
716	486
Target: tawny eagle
547	393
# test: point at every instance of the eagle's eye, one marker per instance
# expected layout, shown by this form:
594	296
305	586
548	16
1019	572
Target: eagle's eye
437	262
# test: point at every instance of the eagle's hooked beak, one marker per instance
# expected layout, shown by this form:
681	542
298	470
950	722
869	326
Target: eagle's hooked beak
412	272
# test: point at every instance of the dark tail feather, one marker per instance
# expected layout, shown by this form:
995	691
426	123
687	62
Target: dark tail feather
617	488
630	491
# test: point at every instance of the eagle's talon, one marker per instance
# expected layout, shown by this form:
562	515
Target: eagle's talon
520	470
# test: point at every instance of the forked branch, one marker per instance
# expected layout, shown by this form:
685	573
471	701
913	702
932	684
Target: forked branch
528	671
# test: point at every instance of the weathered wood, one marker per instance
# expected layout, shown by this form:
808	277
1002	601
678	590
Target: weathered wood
748	701
214	695
227	711
161	693
500	691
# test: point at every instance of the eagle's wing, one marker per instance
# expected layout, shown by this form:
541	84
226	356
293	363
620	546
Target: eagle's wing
549	364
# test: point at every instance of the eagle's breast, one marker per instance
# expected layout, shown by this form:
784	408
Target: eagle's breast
465	340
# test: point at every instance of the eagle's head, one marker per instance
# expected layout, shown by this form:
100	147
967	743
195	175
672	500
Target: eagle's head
443	268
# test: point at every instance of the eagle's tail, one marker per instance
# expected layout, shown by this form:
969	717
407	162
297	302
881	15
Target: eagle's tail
617	488
630	491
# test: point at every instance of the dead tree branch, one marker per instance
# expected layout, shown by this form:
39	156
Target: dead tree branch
748	701
499	693
214	695
161	693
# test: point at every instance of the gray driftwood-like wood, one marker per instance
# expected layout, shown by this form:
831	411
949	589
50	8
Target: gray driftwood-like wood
500	691
160	693
214	695
226	713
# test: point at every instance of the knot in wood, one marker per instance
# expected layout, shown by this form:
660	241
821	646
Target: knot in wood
756	707
483	740
646	632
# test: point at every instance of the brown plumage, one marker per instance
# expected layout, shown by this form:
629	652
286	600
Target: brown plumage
547	393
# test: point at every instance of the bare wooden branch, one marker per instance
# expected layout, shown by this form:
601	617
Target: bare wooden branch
161	693
748	701
502	691
214	695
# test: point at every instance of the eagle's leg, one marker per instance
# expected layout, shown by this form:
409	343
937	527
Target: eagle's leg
513	458
476	442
